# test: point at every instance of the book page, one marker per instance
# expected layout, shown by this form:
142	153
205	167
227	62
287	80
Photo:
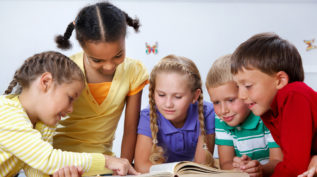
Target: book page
166	167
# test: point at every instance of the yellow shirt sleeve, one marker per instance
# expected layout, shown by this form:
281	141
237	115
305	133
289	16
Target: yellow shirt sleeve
21	142
138	77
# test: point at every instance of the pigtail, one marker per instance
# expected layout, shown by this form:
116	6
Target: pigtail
132	22
63	41
201	117
12	84
157	154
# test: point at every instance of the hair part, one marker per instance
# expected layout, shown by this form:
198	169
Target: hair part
269	53
63	70
184	66
220	72
101	22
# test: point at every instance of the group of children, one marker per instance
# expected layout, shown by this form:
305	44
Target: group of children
59	115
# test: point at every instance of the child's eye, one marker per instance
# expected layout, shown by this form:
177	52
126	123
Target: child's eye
248	86
96	60
178	97
216	102
71	99
118	56
161	95
231	100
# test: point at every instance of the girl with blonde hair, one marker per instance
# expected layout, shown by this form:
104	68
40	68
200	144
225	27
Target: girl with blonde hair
178	125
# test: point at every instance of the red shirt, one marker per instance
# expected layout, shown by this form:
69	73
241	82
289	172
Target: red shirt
292	121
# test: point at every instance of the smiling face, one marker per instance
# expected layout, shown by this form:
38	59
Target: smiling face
58	101
257	89
173	96
227	105
102	58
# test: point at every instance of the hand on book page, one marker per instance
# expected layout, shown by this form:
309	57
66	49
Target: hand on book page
189	169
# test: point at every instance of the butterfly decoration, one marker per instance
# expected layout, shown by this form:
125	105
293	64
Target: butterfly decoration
152	49
310	44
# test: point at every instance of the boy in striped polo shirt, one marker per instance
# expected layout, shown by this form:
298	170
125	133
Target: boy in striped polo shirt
243	141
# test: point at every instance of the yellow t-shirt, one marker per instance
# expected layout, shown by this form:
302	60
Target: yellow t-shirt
23	146
91	126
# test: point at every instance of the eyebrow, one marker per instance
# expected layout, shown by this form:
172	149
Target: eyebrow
103	59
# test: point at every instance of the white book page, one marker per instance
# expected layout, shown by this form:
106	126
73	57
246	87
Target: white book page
164	167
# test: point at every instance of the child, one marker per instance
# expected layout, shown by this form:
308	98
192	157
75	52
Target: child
239	132
112	82
178	123
269	73
48	83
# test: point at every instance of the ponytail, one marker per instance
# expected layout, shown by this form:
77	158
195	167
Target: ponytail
132	22
63	41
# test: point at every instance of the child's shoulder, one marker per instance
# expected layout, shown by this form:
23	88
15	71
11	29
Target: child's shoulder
297	89
10	100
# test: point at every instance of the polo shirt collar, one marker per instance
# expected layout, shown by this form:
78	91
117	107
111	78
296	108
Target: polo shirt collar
190	123
251	122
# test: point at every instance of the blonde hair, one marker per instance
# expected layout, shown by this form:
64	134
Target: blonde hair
184	66
220	72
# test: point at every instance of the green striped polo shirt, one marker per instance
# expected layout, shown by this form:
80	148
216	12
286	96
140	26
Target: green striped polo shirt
250	137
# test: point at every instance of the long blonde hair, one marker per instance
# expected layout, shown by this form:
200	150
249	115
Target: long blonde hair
184	66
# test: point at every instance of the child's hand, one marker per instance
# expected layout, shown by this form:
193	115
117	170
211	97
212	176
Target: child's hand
247	165
312	168
240	161
69	171
120	166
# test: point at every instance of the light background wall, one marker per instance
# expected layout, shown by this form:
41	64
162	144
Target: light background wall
201	30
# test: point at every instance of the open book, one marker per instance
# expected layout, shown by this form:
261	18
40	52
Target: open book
189	169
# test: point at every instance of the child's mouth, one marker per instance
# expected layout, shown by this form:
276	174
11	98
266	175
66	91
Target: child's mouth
251	105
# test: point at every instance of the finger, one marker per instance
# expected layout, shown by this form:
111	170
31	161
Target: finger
311	172
56	174
236	159
80	171
252	164
61	173
304	174
132	171
67	172
236	165
73	171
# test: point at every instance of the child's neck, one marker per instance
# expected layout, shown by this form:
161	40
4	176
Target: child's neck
25	99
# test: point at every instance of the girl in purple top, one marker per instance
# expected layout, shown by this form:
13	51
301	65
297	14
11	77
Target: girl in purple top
178	125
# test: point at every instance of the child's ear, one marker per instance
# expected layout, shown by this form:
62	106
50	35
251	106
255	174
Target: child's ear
282	79
46	81
196	95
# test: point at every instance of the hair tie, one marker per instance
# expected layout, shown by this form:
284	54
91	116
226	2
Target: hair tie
155	141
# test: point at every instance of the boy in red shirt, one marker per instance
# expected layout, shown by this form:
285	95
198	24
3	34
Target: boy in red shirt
269	73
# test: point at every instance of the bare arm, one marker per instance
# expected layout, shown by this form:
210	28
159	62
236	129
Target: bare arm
132	113
201	155
142	153
276	156
226	155
210	141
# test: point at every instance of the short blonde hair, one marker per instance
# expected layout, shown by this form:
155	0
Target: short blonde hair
220	72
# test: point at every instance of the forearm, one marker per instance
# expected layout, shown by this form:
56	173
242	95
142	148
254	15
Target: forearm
143	167
128	146
226	165
268	168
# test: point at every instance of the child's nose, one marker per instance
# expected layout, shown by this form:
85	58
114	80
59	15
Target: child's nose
108	66
224	109
70	109
242	94
168	103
